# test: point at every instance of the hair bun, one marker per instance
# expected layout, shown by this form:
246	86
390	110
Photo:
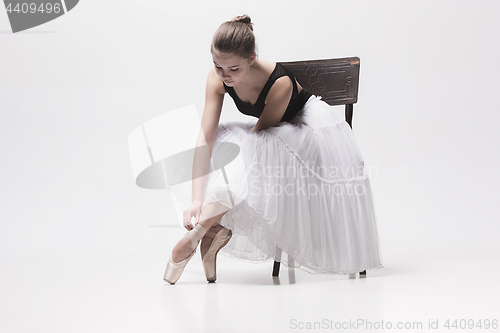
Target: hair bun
244	19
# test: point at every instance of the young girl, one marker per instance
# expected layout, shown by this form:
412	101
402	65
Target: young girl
301	187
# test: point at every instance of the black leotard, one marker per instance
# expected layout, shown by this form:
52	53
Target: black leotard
296	103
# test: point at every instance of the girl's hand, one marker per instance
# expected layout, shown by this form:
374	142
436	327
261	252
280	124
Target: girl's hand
194	210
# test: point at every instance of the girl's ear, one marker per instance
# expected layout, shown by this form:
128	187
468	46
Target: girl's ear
252	59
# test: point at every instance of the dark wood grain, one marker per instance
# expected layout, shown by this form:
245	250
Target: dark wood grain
335	80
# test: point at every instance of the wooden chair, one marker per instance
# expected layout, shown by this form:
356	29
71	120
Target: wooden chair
336	81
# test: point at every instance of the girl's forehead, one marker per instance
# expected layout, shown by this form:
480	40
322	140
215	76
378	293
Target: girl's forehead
227	59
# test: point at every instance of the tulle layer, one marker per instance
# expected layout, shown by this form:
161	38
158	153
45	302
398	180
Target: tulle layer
300	187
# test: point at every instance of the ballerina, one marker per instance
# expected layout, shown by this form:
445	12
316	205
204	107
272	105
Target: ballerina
296	142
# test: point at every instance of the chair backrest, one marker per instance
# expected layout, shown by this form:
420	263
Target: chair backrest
335	80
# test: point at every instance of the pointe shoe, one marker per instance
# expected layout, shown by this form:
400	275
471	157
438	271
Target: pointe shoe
174	269
220	239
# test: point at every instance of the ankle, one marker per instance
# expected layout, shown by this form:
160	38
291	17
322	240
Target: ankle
195	235
182	250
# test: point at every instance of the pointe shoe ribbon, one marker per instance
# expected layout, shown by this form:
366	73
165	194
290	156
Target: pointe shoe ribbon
174	270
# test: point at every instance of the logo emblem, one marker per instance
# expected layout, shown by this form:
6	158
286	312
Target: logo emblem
26	14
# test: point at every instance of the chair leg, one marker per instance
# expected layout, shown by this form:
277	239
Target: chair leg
276	268
348	114
277	262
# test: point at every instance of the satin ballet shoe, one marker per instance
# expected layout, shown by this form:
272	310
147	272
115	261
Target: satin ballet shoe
174	269
209	259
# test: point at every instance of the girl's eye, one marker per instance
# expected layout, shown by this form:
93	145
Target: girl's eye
232	69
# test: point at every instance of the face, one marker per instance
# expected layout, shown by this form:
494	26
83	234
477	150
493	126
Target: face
232	69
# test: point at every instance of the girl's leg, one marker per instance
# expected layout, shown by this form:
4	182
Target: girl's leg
213	208
210	215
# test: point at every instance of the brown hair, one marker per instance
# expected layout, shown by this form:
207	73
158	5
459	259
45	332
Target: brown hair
235	37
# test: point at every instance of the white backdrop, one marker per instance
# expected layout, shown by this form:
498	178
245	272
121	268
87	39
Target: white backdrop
73	89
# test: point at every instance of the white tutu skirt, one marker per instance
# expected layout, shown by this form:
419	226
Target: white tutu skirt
299	187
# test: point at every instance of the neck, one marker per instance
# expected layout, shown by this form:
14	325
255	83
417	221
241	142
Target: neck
254	76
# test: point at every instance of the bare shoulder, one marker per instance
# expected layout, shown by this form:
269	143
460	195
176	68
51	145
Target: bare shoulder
214	98
282	88
214	83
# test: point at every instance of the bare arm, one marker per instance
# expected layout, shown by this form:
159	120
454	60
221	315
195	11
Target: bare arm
214	97
276	103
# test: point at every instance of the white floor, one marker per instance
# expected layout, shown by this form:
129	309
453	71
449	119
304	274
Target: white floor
80	246
123	291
